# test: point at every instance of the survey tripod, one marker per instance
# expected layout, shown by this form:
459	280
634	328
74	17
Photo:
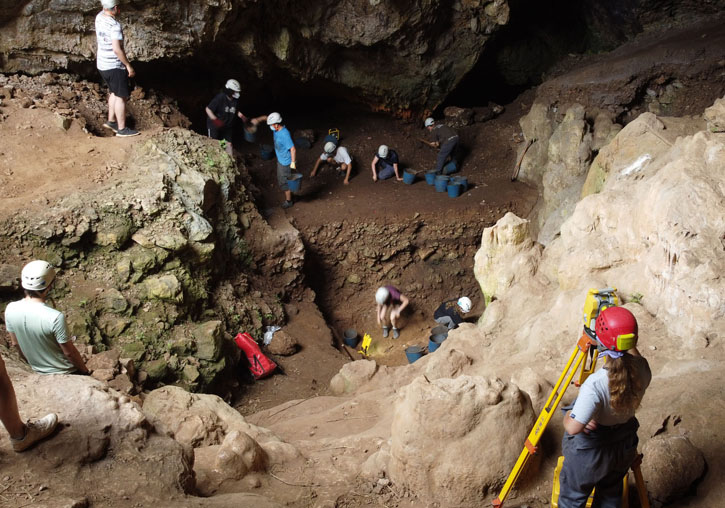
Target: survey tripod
584	359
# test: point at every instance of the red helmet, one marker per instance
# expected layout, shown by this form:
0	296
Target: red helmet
616	329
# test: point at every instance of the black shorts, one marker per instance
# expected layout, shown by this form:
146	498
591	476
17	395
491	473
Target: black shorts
225	132
117	81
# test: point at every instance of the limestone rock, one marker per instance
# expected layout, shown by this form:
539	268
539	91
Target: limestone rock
507	252
458	117
208	339
105	360
352	376
112	300
447	362
715	116
462	416
239	454
164	287
283	344
670	467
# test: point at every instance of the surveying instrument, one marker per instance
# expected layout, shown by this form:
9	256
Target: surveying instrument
583	359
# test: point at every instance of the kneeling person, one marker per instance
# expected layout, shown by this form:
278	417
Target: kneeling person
450	313
385	164
337	156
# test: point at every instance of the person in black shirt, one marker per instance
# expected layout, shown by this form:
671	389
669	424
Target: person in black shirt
450	313
222	113
385	164
445	138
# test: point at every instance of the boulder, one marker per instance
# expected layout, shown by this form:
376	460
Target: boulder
715	116
671	467
239	454
352	376
164	287
283	344
208	340
458	117
437	423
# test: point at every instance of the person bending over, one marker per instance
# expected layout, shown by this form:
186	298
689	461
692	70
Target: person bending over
390	304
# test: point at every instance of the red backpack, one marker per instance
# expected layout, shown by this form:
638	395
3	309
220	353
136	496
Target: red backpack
259	365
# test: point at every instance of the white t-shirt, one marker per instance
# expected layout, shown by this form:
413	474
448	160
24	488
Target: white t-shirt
341	156
107	30
593	400
39	328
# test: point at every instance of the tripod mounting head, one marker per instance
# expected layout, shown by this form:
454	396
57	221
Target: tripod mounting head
597	300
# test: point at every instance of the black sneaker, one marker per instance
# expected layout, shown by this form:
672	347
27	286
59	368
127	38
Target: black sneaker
111	125
287	204
126	132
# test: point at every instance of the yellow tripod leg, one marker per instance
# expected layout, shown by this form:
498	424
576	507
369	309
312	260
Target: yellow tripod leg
532	441
641	487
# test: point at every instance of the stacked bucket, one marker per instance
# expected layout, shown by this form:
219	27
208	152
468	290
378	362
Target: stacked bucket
454	185
437	336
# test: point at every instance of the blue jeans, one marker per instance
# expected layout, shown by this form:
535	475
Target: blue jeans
447	149
385	170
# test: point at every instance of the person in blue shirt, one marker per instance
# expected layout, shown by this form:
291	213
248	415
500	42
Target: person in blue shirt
286	153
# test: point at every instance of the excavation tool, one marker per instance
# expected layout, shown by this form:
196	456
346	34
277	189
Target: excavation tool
431	144
517	168
584	356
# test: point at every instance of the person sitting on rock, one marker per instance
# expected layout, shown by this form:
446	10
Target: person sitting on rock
22	435
450	313
222	113
337	156
445	138
385	164
37	330
390	304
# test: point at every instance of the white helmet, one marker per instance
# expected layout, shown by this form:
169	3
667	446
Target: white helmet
465	304
383	151
329	147
429	121
381	295
37	275
274	118
109	4
234	86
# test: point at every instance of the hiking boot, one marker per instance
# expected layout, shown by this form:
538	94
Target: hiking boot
287	204
35	431
386	330
127	132
396	333
111	125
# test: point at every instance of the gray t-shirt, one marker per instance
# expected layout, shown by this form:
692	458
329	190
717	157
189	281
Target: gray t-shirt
39	329
107	30
593	399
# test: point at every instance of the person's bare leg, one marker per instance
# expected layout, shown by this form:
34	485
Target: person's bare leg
288	195
347	167
9	414
119	107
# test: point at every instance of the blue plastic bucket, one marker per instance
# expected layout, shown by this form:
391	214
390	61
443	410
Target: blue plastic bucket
294	182
350	337
408	177
266	152
435	341
413	353
454	190
302	142
462	180
439	330
449	168
430	177
441	183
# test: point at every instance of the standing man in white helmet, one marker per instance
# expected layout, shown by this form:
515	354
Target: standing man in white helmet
390	304
445	138
286	153
114	67
222	112
385	164
337	156
450	313
37	330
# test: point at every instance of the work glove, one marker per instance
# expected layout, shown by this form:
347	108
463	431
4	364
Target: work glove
217	123
293	165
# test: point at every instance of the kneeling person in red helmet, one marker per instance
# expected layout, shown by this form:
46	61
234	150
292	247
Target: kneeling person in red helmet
600	442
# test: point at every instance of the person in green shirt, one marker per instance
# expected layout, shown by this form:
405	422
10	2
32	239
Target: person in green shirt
39	331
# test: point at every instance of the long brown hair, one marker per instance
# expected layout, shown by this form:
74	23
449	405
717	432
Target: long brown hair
625	389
